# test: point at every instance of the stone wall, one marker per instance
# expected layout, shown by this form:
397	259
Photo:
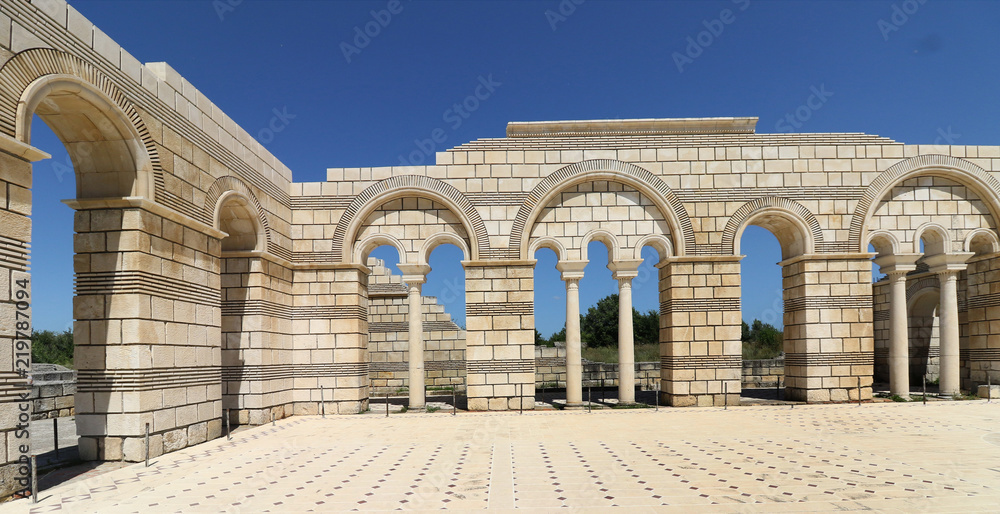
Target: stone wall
763	372
52	391
550	371
388	312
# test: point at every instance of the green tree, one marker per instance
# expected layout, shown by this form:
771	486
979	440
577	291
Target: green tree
558	336
646	327
52	348
599	327
761	340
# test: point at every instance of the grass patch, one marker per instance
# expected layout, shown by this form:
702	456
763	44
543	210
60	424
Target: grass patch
609	354
433	408
404	409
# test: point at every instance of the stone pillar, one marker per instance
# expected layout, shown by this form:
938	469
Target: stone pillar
700	347
572	272
947	267
984	319
257	314
500	334
896	267
330	339
147	330
15	337
624	272
414	275
829	345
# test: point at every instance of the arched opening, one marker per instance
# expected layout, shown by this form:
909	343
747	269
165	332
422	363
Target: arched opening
237	218
388	350
925	336
444	327
102	151
762	312
550	325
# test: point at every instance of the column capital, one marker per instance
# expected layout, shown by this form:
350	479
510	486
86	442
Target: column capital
948	262
414	273
898	263
571	269
625	269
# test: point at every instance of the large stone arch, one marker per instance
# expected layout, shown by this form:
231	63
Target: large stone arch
790	210
408	186
602	169
228	184
32	76
954	168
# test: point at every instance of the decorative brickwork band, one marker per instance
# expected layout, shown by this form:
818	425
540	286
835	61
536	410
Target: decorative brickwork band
830	359
333	203
500	366
507	199
118	380
744	194
550	362
142	282
983	301
268	308
880	316
981	354
828	302
402	326
701	362
13	254
925	352
699	305
428	366
12	385
386	290
500	309
279	371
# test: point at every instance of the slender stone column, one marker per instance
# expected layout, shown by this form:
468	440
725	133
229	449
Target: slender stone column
572	272
624	272
947	267
899	337
414	275
896	267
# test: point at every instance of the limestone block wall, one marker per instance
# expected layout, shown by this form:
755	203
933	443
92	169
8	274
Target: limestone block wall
700	323
257	314
330	339
983	304
765	373
550	366
500	336
147	330
880	329
52	391
828	338
388	312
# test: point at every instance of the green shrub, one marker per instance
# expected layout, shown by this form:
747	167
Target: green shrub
52	348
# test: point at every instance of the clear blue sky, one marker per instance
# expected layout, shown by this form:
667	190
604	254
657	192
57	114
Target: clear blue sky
934	78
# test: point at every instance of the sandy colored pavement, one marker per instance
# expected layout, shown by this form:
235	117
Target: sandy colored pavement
940	457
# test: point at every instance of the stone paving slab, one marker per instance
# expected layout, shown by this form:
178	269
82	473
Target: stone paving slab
940	457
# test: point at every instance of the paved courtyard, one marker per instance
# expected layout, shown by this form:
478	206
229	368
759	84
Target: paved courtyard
944	456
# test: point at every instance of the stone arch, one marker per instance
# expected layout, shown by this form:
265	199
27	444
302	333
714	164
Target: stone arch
236	216
642	180
885	242
953	168
222	187
441	238
366	245
51	83
551	243
982	241
777	215
936	239
408	186
660	243
607	238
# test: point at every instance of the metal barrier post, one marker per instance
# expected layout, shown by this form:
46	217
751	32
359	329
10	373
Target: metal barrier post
55	435
147	445
34	480
322	402
859	391
229	432
925	389
725	396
